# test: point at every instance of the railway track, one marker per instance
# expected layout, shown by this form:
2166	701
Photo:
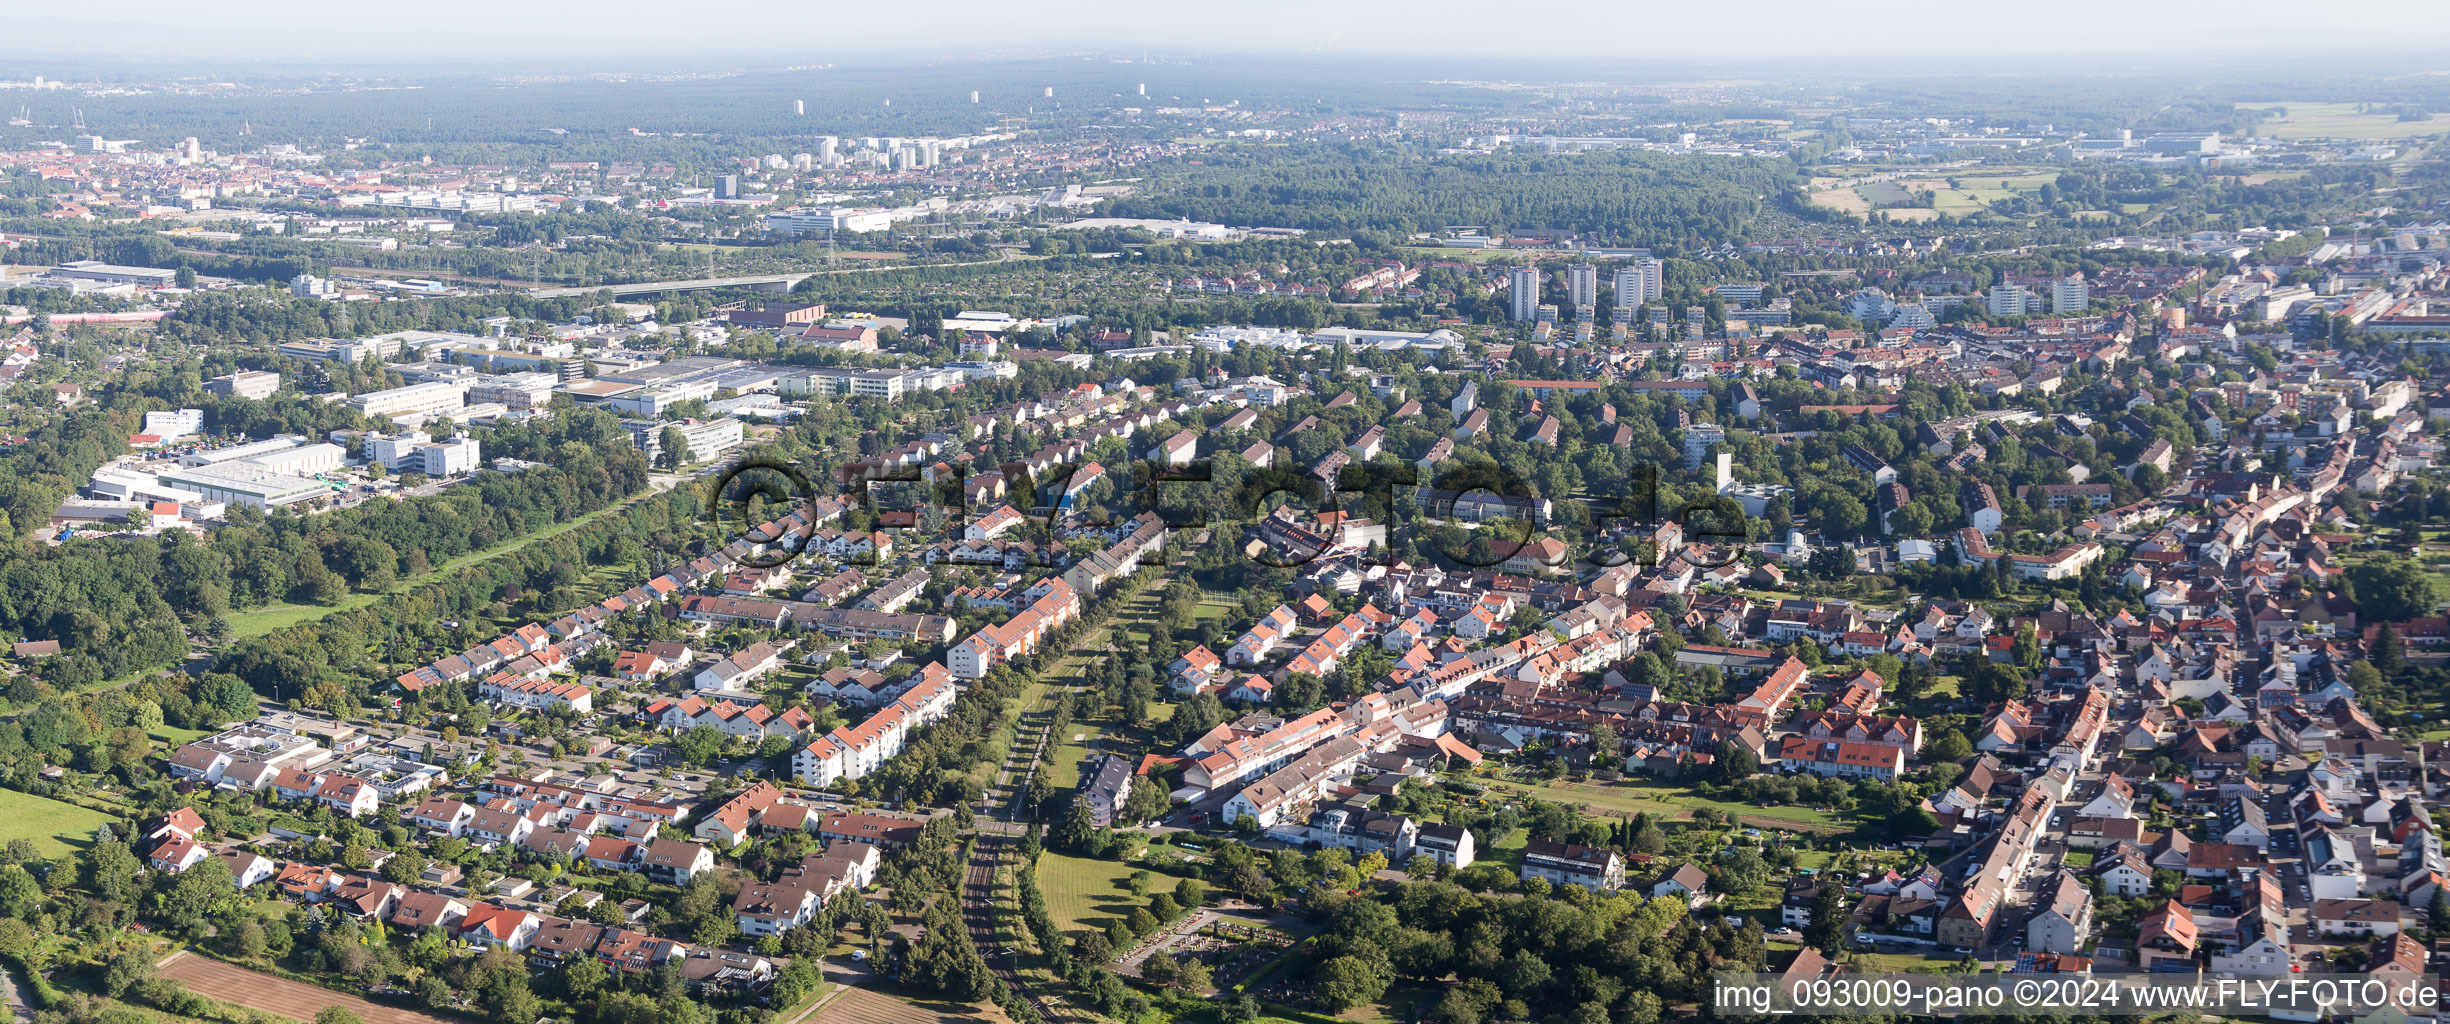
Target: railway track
978	895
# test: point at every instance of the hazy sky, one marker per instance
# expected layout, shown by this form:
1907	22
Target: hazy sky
828	31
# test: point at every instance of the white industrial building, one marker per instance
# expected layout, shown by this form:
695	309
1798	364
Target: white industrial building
241	452
304	460
247	484
255	384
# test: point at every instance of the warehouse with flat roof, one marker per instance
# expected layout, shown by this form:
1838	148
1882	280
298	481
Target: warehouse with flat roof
247	484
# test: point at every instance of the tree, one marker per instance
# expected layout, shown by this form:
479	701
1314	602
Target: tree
123	971
583	977
404	867
701	745
1346	982
20	894
1192	975
1093	947
2389	655
2390	588
1949	746
1605	747
110	870
1076	830
2363	677
672	449
1827	931
1648	838
1147	800
1736	762
337	1015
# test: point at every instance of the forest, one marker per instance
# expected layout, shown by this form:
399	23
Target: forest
120	606
1636	198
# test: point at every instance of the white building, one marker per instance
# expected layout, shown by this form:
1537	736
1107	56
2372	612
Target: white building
1582	284
414	400
247	484
706	439
2070	295
303	460
2009	300
255	384
460	454
171	426
1523	295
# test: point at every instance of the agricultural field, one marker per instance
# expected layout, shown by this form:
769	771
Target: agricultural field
1958	195
2342	121
858	1005
256	990
55	827
1844	200
1880	192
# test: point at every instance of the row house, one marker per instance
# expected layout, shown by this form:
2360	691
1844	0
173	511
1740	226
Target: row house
1842	759
538	694
742	668
1876	730
1122	558
854	751
654	661
1320	656
1256	643
772	908
341	792
745	721
1056	604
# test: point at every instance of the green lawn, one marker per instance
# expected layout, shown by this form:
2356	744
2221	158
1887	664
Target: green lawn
282	616
1900	963
56	828
1083	893
1460	255
2079	858
1633	796
1507	850
174	734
